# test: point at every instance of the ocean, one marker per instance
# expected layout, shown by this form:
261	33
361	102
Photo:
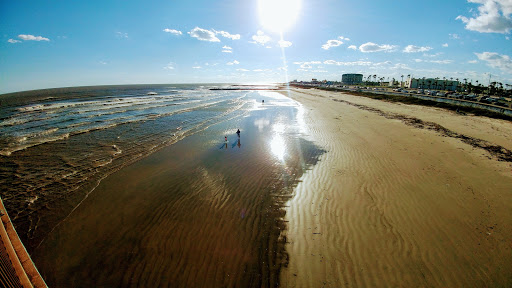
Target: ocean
149	155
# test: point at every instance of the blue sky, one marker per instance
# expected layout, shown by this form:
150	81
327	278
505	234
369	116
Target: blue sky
46	44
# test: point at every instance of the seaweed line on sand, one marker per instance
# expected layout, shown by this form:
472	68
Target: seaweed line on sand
501	153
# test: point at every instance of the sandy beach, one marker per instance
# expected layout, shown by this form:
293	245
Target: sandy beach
324	189
401	198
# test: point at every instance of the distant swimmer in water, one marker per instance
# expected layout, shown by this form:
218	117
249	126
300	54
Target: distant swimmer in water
238	132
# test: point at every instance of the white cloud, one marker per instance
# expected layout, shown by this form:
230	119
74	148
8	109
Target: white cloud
203	35
227	35
233	63
260	38
496	60
434	61
119	35
13	41
242	70
227	49
32	38
441	61
445	45
472	61
330	62
400	66
494	16
432	55
372	47
308	64
197	67
331	43
353	47
415	49
454	36
340	63
284	43
170	66
172	31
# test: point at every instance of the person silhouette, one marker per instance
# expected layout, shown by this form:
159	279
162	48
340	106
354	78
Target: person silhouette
238	133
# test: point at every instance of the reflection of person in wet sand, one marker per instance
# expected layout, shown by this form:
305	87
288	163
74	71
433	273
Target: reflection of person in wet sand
238	144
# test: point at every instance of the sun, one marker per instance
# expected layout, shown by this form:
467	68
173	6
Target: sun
278	15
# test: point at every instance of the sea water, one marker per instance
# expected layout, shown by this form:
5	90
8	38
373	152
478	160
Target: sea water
57	145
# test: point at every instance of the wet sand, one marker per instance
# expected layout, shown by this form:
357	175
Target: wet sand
198	213
405	196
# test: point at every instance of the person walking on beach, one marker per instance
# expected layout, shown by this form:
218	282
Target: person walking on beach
238	133
225	138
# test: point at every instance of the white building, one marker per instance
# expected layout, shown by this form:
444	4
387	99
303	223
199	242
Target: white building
430	83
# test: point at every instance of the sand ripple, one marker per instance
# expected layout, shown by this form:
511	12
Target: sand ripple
391	205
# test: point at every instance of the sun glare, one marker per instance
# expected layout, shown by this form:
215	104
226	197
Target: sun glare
278	147
278	15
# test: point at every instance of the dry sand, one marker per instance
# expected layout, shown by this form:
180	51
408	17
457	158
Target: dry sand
406	196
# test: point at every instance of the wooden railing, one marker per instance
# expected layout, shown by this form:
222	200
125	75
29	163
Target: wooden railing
16	266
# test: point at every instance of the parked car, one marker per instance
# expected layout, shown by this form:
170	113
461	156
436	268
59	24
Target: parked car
471	97
484	99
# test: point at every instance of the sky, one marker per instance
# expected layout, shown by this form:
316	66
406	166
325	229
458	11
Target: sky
46	44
